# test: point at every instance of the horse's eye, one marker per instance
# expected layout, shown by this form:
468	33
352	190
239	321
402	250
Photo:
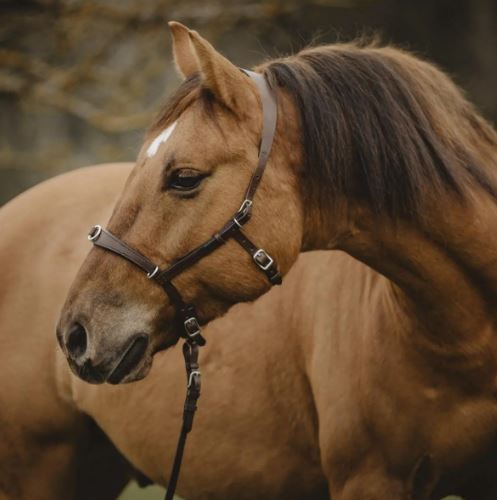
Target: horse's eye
185	179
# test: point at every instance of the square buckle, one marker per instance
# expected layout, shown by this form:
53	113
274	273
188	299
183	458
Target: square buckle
192	328
263	259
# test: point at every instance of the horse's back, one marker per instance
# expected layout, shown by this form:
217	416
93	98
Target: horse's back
65	200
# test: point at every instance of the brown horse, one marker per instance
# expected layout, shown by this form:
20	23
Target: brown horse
50	449
376	154
261	389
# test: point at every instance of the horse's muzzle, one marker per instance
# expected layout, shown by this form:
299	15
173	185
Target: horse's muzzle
112	366
129	360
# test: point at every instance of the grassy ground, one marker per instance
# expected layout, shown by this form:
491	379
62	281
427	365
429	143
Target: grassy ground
134	492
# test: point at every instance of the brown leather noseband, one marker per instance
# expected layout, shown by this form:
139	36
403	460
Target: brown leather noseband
186	313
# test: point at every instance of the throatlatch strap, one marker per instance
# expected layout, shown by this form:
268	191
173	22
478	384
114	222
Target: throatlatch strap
260	257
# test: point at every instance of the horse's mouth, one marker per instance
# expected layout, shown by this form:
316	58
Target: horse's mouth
129	360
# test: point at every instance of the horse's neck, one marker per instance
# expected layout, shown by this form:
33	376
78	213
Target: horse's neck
444	275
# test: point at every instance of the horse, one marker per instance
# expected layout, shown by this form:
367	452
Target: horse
52	441
49	449
258	408
376	154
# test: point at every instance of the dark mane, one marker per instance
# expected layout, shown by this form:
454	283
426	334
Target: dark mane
382	125
378	124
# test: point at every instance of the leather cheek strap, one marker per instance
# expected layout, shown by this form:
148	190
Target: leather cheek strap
269	120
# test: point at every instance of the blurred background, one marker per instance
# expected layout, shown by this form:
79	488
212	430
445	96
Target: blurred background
80	80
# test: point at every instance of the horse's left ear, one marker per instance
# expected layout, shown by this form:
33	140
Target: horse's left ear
220	76
184	56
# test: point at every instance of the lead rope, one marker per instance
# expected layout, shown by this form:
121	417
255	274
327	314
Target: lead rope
190	353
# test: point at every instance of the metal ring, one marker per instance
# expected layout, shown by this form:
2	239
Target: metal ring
94	232
153	273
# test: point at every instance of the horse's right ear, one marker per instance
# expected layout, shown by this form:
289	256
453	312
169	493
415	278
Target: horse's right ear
184	56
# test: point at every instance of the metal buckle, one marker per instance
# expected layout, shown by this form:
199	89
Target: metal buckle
190	378
192	328
151	274
243	213
246	205
94	232
263	256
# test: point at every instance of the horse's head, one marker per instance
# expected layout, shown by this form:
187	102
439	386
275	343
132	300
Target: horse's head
188	182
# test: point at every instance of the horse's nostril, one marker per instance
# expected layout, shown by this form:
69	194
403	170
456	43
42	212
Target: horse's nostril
76	341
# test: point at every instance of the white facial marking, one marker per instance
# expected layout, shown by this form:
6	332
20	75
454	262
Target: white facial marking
162	137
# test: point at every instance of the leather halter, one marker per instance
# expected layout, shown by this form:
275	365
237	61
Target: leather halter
232	229
186	313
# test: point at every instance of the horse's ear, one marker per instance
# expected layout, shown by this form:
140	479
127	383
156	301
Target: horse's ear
183	53
219	75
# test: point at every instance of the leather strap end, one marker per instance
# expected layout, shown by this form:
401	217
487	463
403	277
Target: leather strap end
275	277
